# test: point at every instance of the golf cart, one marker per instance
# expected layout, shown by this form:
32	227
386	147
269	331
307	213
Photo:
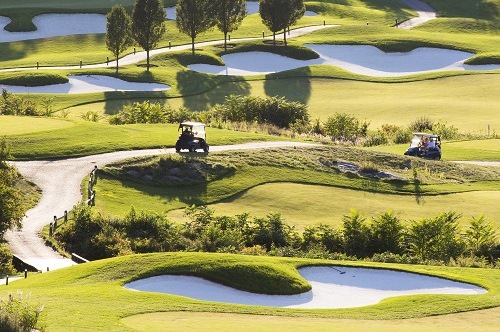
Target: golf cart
425	145
192	137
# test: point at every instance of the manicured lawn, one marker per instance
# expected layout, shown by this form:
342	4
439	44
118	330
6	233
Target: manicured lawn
488	150
482	320
90	296
14	125
80	138
304	205
295	183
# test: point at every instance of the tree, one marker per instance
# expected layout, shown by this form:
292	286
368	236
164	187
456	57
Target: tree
12	209
280	14
195	17
118	31
229	15
148	24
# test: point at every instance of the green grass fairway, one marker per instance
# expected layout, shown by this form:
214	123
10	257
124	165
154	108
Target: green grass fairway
90	297
80	138
454	100
16	125
487	150
482	320
304	205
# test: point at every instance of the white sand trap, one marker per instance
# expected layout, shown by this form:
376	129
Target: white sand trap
55	25
253	63
88	84
360	59
330	289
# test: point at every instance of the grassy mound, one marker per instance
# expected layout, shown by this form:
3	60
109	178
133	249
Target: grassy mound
91	297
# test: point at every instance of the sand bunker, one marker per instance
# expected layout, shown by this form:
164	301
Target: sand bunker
55	25
88	84
359	59
355	287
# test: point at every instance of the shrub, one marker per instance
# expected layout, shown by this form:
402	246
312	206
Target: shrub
271	110
435	238
386	233
344	127
445	131
356	235
403	136
6	266
324	236
11	104
422	124
17	315
376	138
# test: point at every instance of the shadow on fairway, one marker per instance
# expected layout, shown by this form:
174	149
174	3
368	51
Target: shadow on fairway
17	50
296	88
204	91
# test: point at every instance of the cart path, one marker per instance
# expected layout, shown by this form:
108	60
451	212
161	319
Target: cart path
60	182
141	55
424	11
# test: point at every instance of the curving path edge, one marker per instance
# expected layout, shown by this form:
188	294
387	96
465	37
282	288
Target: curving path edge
60	182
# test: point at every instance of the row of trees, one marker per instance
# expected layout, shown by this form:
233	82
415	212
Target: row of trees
147	24
437	239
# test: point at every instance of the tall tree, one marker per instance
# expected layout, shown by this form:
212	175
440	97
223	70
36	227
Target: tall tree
230	14
148	24
195	17
118	31
280	14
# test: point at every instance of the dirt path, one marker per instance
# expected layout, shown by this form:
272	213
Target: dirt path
60	182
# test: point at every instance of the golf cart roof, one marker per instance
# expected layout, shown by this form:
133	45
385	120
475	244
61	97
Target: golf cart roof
191	124
425	135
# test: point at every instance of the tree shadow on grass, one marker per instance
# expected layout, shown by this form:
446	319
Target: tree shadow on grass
17	50
115	101
202	91
294	85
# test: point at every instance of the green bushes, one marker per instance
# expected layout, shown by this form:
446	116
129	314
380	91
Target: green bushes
383	238
147	112
276	111
272	110
344	127
17	315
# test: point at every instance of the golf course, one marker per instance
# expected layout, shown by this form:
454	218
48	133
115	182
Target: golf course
287	221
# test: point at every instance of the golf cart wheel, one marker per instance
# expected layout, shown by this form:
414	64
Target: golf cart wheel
206	148
192	149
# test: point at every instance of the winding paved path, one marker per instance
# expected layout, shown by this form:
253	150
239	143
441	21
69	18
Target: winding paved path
60	182
424	11
141	56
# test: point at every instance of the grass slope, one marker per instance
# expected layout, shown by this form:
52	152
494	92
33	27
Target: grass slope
262	182
91	297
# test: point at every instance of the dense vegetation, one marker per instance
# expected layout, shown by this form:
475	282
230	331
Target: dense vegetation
437	240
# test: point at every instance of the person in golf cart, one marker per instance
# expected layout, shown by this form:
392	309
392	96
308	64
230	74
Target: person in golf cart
192	137
425	145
